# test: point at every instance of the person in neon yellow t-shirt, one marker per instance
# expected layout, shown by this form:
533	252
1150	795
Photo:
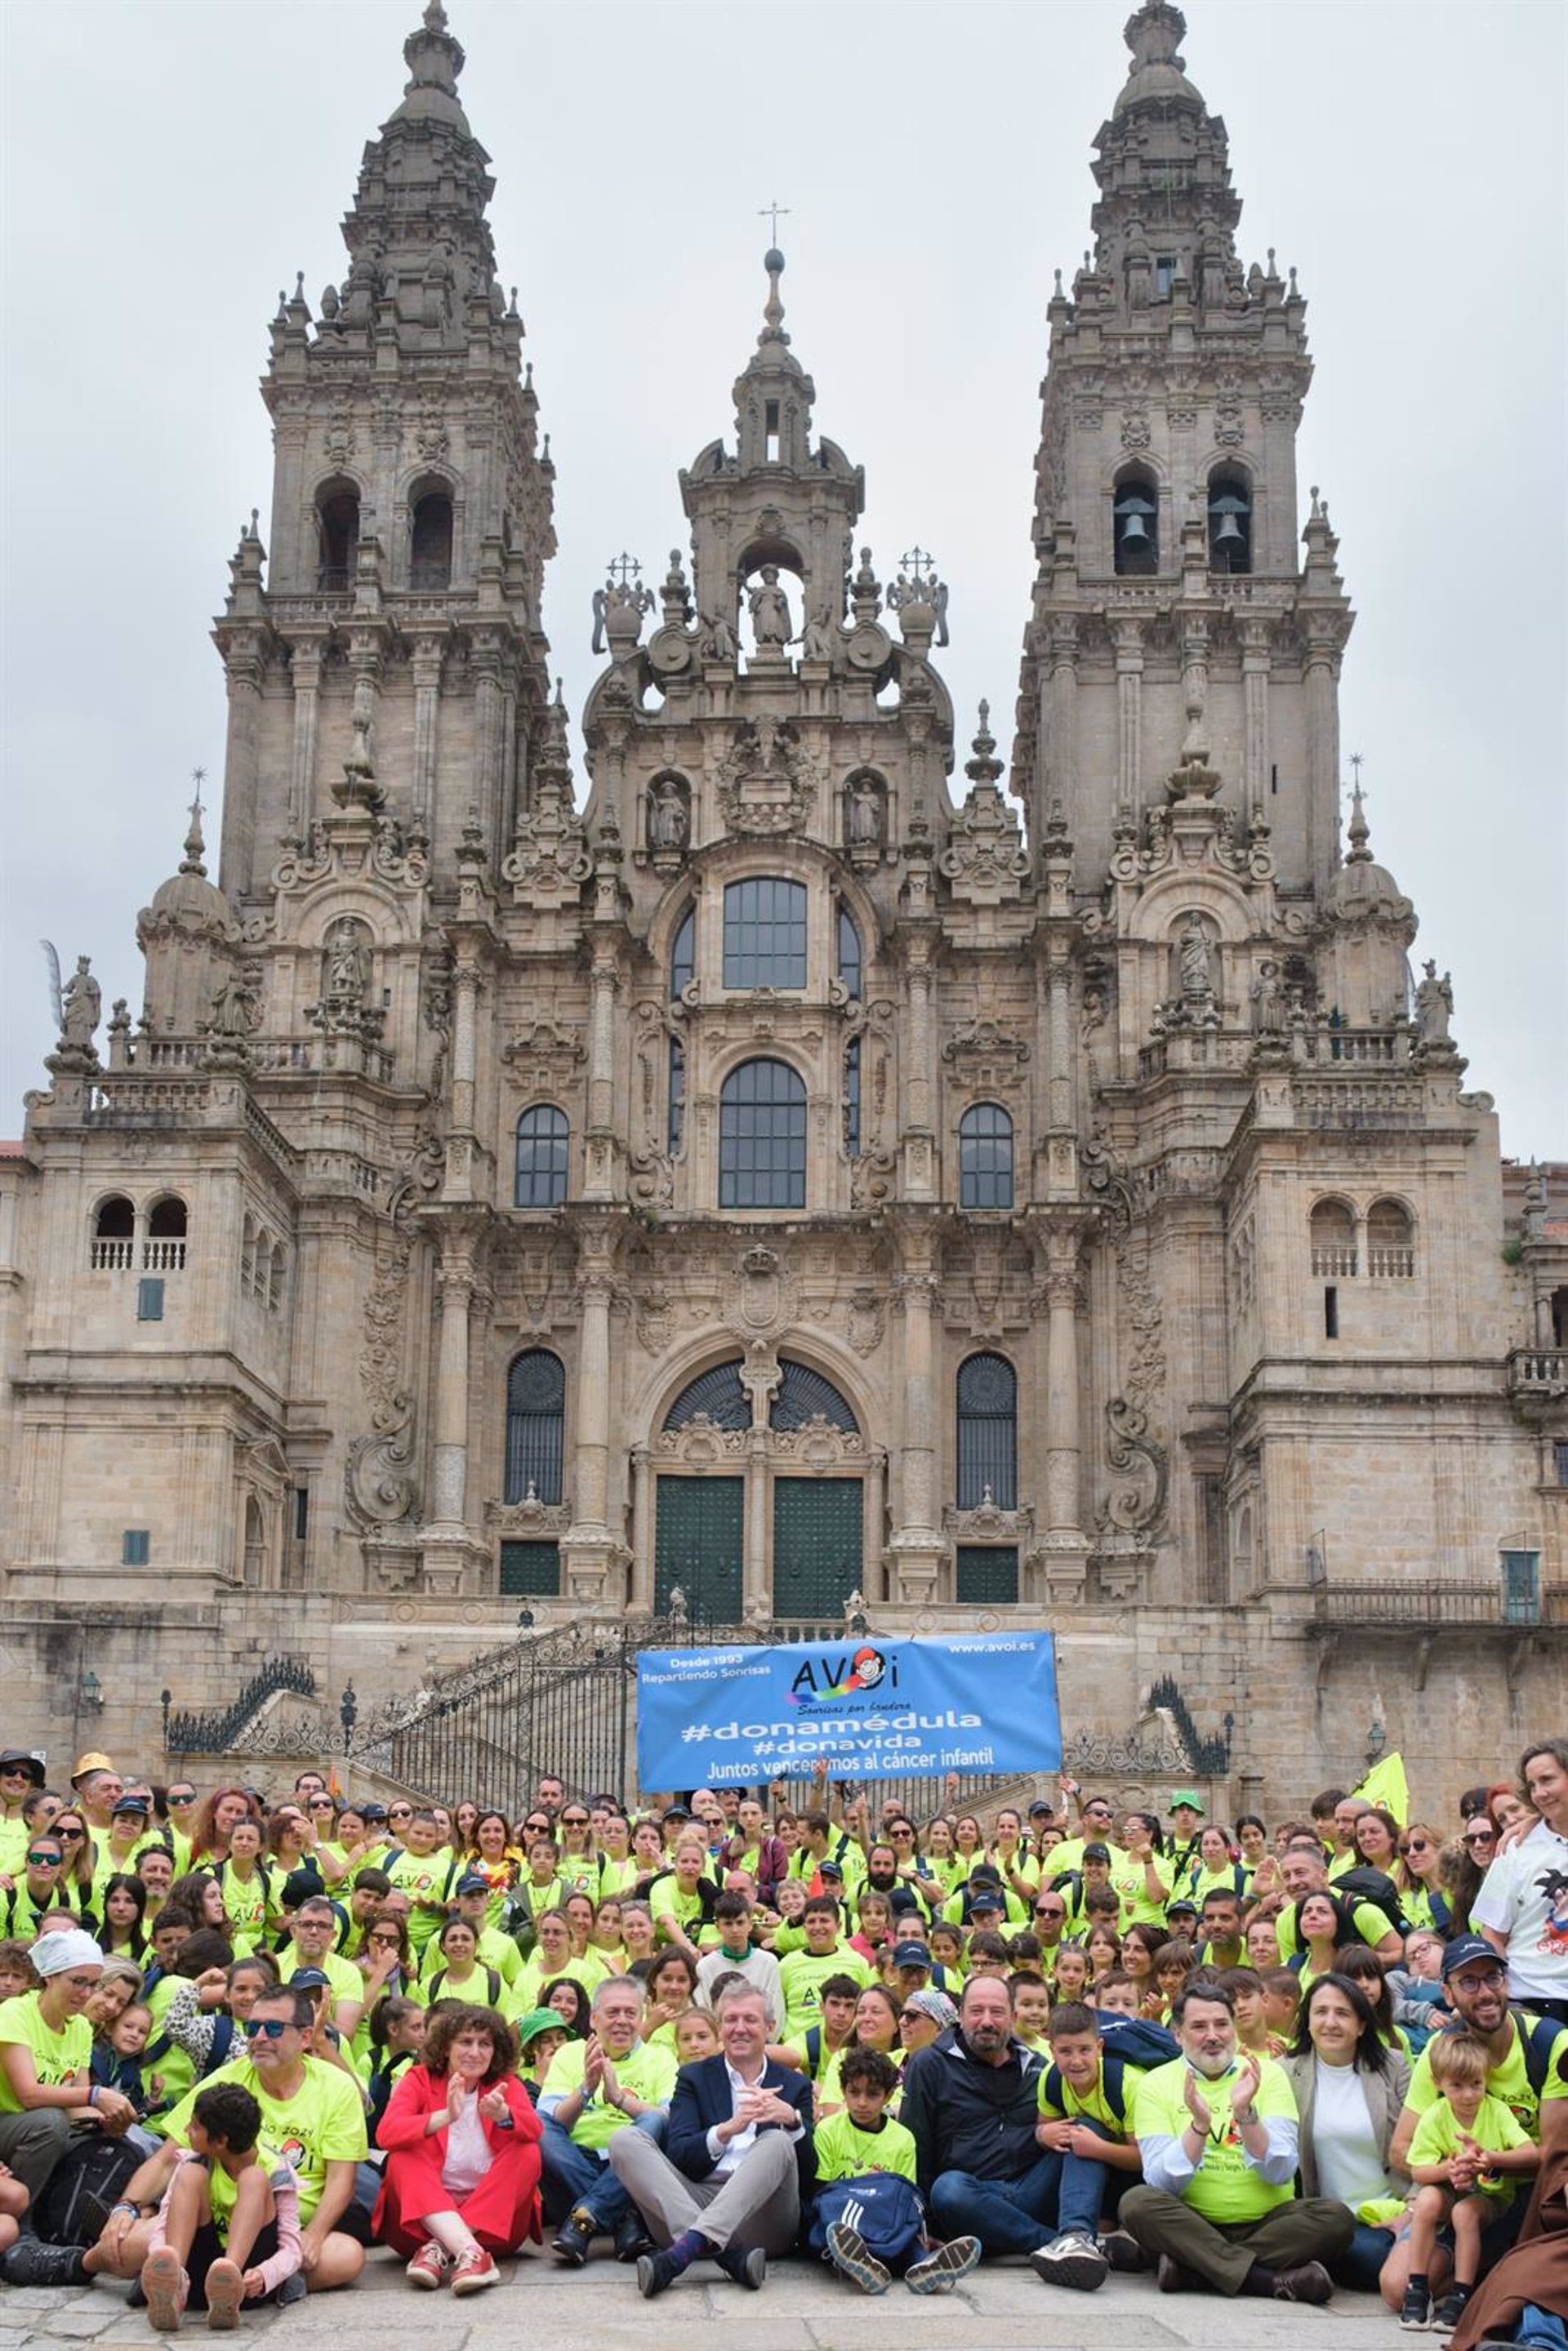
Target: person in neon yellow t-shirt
1217	2133
1466	2154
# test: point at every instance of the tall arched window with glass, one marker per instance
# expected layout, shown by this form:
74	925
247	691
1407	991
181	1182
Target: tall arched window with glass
762	1137
677	1096
535	1426
765	932
853	1098
542	1171
987	1433
850	960
683	953
986	1158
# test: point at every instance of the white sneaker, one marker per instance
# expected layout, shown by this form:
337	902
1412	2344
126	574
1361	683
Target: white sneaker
1072	2260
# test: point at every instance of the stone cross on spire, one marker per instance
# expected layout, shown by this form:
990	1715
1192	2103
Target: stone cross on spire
772	213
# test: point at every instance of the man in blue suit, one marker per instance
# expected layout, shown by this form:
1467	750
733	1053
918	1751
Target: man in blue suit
738	2163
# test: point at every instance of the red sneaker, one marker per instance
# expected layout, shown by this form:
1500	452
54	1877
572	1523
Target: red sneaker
429	2266
473	2270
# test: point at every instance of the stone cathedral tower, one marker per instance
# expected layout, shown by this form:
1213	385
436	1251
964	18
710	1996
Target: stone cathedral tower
788	1175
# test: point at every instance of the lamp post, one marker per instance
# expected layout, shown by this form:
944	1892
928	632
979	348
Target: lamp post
1376	1740
348	1714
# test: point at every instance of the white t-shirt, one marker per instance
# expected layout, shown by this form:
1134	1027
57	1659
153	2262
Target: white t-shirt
1342	2139
467	2157
1518	1899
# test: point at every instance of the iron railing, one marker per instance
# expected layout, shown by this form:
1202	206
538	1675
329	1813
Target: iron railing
1210	1758
215	1733
1435	1607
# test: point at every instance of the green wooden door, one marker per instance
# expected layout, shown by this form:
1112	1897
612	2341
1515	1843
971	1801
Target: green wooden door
816	1545
697	1545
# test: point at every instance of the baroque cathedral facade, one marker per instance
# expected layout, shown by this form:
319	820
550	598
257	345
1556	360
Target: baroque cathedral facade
815	1169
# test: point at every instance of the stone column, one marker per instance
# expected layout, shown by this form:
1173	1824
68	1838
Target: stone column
1255	695
757	1599
449	1484
1128	636
429	647
873	1571
599	1154
644	1490
1063	1546
917	1543
1061	1166
1059	720
488	721
1320	679
244	661
589	1549
921	1092
310	660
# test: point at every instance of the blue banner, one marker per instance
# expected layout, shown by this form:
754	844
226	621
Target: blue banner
876	1709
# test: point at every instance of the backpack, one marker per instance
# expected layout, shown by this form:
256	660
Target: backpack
83	2188
492	1986
1374	1885
885	2210
1129	2041
1539	2035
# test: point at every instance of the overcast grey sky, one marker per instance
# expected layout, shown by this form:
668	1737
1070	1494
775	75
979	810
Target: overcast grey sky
168	167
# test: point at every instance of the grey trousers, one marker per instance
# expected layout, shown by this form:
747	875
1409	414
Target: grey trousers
32	2145
1310	2229
758	2203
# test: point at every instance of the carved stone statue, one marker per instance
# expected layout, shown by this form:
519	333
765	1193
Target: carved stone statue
237	1006
817	643
1268	1000
864	812
1196	963
770	610
1433	1005
80	1006
717	638
668	816
348	965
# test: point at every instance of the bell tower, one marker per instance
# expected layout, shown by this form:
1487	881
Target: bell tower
1172	619
384	650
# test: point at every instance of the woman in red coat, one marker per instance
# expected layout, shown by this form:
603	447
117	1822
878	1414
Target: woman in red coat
462	2182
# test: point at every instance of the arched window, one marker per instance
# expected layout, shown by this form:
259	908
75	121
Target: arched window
987	1433
1229	523
765	933
803	1394
677	1095
683	953
849	954
1390	1241
762	1137
113	1234
718	1394
535	1426
986	1158
337	528
541	1158
1333	1239
1135	525
430	542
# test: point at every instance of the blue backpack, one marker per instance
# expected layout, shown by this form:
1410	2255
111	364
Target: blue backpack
885	2210
1129	2041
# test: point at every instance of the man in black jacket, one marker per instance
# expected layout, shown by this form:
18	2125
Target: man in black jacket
737	2164
972	2100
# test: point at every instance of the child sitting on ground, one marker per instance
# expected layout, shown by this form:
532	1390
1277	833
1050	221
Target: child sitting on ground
697	2035
879	2231
1463	2148
227	2231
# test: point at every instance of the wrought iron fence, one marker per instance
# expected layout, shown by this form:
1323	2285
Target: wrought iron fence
215	1732
1210	1757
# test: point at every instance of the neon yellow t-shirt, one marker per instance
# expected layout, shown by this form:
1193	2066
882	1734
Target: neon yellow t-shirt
647	2071
1371	1925
57	2057
422	1877
1093	2103
1225	2185
1438	2136
844	2151
801	1980
1130	1880
322	2123
1509	2082
246	1907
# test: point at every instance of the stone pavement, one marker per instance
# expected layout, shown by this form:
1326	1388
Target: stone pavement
1002	2308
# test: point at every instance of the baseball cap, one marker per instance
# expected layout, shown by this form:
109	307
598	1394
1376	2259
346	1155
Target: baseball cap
1183	1901
985	1873
369	1813
137	1804
830	1869
1096	1852
309	1979
910	1955
471	1882
903	1900
1187	1796
300	1886
1468	1951
1041	1812
677	1813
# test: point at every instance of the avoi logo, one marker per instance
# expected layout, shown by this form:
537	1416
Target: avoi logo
822	1678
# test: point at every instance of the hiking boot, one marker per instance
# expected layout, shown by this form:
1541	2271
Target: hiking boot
573	2237
748	2268
849	2254
165	2284
225	2290
1307	2283
429	2267
1070	2259
939	2272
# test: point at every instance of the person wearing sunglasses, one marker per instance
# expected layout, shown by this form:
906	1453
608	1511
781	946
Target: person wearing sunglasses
184	1801
80	1862
309	2109
1417	1874
21	1776
37	1890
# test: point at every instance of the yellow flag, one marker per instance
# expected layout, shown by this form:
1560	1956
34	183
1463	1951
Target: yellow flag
1386	1786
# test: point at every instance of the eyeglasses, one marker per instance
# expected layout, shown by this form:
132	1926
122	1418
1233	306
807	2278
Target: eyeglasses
1480	1836
384	1942
1050	1914
272	2027
1416	1845
182	1795
574	1819
15	1771
78	1833
535	1828
400	1811
45	1860
322	1804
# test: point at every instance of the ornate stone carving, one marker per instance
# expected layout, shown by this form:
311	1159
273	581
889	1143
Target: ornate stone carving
985	861
544	1053
1107	1179
378	1483
699	1444
1133	1509
865	1318
983	1054
761	1296
766	781
1144	1372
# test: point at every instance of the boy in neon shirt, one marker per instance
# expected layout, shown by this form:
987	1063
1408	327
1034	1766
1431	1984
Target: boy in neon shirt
1465	2147
228	2230
863	2140
1083	2127
803	1973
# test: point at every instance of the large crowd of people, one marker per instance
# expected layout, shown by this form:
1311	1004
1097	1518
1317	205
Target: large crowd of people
243	2041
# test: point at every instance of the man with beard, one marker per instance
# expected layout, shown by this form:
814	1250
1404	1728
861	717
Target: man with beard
1217	2128
972	2100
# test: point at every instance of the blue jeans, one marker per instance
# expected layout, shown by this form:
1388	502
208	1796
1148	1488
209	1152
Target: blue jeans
580	2176
1539	2330
1361	2265
1009	2216
1081	2188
